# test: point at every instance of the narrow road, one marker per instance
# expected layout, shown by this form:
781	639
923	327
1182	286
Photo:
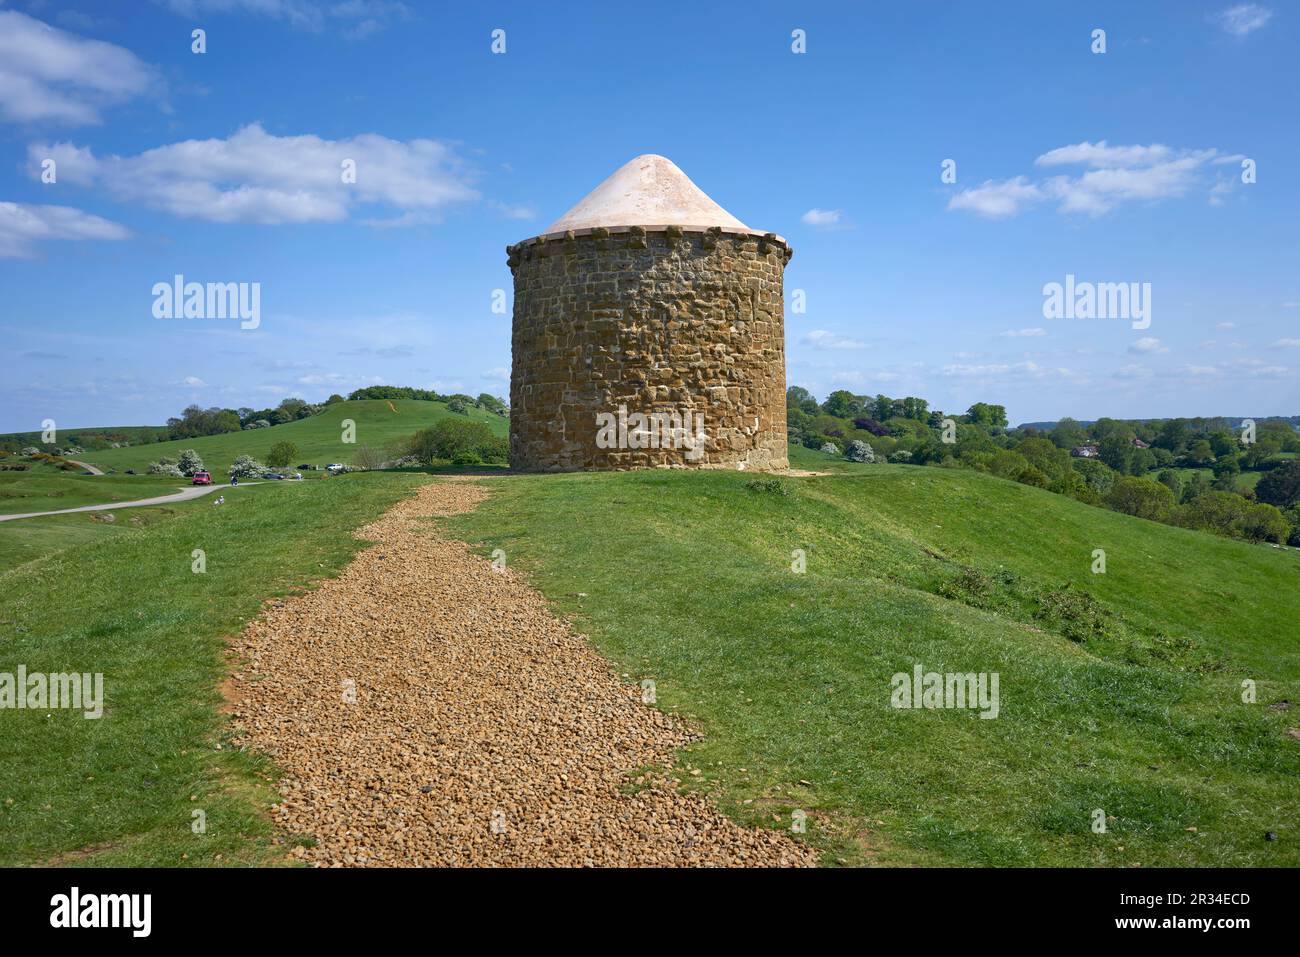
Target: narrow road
184	495
89	468
429	710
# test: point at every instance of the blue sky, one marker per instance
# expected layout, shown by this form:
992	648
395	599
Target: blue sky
1122	166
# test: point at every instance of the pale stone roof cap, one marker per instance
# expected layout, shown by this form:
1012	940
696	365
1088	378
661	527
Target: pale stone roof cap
647	191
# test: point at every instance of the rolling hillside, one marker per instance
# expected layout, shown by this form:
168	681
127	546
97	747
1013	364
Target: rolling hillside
319	438
1119	691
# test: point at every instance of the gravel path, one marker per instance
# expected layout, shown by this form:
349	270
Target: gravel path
481	730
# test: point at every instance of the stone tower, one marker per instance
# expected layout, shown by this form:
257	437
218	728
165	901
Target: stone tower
648	331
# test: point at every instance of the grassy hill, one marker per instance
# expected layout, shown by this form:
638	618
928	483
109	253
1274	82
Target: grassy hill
319	438
1119	691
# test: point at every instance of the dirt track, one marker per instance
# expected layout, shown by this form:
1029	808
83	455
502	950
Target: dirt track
481	730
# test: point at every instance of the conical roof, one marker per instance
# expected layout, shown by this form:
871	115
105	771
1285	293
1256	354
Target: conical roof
647	191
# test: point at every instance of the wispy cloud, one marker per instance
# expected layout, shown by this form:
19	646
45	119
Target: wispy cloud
824	218
50	75
23	225
254	176
825	339
1244	18
1112	175
357	18
1148	344
1022	333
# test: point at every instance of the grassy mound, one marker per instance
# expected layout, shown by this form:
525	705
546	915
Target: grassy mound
1119	691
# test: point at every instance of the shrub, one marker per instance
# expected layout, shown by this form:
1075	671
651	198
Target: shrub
246	467
190	462
468	457
448	438
458	405
1075	614
281	454
166	466
830	448
1265	523
900	455
775	486
859	452
1032	476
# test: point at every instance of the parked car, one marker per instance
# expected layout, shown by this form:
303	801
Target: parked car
272	475
335	467
130	471
201	478
307	468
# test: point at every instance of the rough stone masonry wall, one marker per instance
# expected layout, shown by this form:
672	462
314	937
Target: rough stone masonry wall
656	320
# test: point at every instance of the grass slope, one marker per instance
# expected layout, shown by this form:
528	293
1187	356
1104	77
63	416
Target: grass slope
319	438
130	606
686	579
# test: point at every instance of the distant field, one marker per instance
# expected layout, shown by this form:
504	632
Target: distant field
319	438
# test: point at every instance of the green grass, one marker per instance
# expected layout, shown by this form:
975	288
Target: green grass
125	602
319	438
28	539
686	578
44	488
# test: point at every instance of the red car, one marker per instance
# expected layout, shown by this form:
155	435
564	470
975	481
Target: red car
202	478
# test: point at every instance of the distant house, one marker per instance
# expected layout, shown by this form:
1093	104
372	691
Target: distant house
1139	444
1086	451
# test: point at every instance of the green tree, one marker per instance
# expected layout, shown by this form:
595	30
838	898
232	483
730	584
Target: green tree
1117	452
1280	486
1068	434
987	416
1141	497
842	404
281	454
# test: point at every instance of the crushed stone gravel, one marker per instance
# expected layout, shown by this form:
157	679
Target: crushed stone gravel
427	709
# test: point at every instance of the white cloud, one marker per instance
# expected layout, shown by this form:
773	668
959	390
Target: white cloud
1291	305
1287	343
1147	344
22	225
1114	175
1244	18
193	380
1100	156
1134	371
359	18
50	75
1021	333
498	373
254	176
824	339
823	218
1226	325
997	200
